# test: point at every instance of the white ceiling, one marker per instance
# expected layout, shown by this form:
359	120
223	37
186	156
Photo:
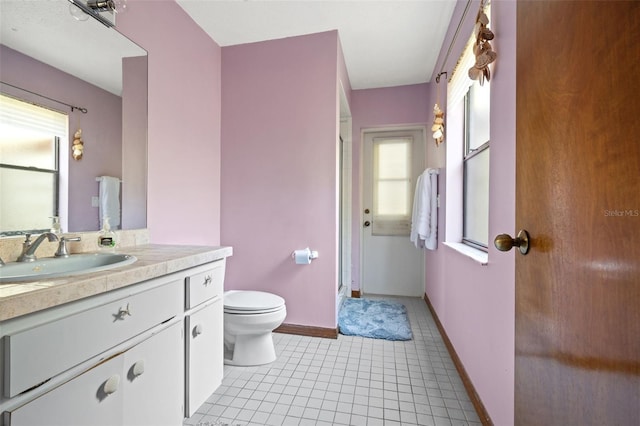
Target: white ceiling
385	43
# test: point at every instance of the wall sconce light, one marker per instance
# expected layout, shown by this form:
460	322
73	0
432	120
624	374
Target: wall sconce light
77	148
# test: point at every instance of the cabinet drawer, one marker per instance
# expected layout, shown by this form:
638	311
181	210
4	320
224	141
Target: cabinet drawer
37	354
204	283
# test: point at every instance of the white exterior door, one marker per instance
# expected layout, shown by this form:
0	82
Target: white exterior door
392	162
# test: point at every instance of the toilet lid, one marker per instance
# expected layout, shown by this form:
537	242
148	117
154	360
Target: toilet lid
251	301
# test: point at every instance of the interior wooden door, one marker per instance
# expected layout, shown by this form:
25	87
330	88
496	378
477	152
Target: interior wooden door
577	359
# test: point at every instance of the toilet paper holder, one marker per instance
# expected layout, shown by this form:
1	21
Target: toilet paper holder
304	256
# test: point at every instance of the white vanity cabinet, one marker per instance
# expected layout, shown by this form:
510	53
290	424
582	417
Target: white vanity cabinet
141	386
204	334
149	353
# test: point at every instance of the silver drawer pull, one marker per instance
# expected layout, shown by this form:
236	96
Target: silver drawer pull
122	312
207	280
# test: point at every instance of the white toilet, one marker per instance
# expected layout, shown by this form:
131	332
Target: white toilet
249	319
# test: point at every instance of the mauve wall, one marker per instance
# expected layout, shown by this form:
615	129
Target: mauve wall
381	108
101	128
134	142
476	303
279	174
183	201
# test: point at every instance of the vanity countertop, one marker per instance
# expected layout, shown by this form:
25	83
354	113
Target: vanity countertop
154	261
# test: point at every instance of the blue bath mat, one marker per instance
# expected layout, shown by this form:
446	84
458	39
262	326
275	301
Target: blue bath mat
377	319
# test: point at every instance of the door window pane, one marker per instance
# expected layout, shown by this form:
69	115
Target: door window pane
392	186
392	198
393	159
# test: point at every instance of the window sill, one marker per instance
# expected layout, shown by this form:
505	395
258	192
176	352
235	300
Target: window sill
482	257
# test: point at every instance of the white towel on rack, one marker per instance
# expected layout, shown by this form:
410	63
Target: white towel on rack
417	214
424	220
110	200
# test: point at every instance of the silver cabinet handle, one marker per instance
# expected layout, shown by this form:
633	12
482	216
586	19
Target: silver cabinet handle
122	312
207	280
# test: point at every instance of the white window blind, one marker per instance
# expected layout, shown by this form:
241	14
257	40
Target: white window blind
392	196
460	82
27	117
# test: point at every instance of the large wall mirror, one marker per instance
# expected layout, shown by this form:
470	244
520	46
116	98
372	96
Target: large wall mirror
53	61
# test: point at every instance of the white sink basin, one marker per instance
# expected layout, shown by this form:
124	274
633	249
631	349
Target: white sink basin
52	267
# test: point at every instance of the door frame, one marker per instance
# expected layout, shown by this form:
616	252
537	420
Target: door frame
363	131
345	248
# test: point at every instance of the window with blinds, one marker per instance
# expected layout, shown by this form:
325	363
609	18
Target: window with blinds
392	196
475	142
29	165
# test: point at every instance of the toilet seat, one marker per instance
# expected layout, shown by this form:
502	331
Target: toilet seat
251	302
249	320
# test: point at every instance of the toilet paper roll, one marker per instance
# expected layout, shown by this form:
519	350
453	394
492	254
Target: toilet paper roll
302	257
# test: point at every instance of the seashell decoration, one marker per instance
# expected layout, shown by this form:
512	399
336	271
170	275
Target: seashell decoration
482	49
438	125
77	147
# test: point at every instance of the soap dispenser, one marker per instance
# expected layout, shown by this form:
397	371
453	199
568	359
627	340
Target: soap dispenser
55	225
107	239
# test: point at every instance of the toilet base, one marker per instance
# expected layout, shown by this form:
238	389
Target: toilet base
250	349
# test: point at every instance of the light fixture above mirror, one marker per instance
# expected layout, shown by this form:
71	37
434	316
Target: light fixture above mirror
102	10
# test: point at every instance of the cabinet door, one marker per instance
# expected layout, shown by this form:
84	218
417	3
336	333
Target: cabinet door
91	399
154	380
205	352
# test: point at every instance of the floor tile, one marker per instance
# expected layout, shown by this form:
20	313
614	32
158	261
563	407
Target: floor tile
346	381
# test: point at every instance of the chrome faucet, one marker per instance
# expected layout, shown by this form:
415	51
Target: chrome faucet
29	248
63	251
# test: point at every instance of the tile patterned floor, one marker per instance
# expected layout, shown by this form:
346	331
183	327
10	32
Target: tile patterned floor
346	381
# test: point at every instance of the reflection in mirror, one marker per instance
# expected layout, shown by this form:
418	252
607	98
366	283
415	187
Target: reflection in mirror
29	172
49	59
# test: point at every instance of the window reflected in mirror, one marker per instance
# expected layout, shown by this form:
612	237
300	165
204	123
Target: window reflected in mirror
30	139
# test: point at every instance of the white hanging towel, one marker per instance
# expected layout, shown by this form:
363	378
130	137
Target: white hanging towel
424	220
109	200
